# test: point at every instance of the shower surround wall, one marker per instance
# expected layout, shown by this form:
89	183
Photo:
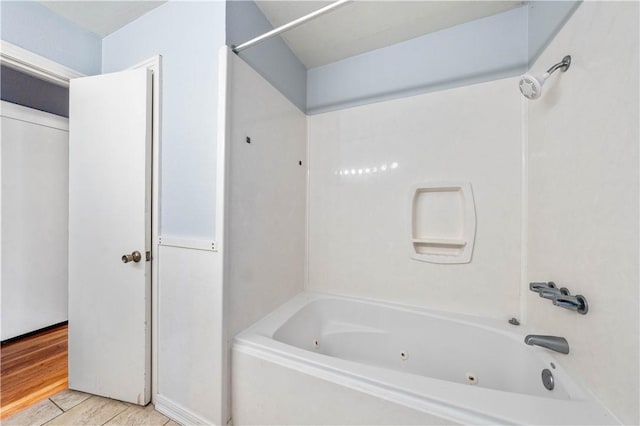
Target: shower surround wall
555	185
577	153
264	241
265	181
364	162
583	199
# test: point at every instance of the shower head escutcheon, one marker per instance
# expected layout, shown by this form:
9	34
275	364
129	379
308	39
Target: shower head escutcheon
531	86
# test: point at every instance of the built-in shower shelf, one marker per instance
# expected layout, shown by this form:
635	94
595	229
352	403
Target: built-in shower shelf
440	242
443	222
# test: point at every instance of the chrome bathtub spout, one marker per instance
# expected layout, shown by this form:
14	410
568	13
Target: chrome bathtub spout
555	343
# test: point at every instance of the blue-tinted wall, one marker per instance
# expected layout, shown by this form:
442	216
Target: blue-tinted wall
481	50
188	35
486	49
30	25
272	59
545	19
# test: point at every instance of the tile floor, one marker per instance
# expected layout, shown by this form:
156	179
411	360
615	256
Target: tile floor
76	408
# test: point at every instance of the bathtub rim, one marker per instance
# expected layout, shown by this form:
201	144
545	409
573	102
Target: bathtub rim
257	340
434	403
276	318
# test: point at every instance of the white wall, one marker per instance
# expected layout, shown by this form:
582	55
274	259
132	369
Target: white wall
358	224
583	199
34	220
189	335
264	195
265	242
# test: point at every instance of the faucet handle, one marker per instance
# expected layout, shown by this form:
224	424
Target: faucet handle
577	303
552	293
538	287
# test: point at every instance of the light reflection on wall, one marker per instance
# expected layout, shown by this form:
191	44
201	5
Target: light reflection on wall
384	167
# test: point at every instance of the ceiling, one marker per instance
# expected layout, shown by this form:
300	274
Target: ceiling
357	27
361	26
101	17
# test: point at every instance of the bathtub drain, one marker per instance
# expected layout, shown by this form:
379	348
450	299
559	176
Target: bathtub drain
547	379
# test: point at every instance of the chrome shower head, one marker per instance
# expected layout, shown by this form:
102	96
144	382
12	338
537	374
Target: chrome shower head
531	86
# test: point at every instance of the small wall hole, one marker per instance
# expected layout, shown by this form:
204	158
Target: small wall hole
472	379
300	163
248	139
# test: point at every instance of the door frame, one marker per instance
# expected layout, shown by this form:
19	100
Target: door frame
35	65
155	65
38	66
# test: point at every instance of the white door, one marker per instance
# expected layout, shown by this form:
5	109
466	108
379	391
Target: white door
110	217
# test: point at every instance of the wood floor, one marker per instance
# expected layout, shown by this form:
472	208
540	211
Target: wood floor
32	369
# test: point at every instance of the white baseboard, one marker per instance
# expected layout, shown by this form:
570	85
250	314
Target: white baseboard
178	413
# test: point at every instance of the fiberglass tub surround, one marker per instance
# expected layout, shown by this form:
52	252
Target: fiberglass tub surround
452	368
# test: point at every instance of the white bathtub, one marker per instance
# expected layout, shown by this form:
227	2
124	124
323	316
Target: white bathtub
324	359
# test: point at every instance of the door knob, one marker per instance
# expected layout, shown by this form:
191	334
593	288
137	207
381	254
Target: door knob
135	257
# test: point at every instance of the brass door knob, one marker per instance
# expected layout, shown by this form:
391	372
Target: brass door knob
135	257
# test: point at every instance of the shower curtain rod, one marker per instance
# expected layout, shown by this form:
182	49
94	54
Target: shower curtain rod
286	27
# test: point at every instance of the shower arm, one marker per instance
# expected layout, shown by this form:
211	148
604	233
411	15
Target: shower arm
566	62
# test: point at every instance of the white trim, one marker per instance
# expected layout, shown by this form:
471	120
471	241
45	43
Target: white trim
30	115
185	243
155	65
222	205
177	412
222	153
524	213
36	65
307	207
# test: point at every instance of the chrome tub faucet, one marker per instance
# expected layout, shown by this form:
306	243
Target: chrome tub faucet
577	303
555	343
561	296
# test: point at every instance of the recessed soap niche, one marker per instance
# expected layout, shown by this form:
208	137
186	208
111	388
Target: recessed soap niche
443	222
